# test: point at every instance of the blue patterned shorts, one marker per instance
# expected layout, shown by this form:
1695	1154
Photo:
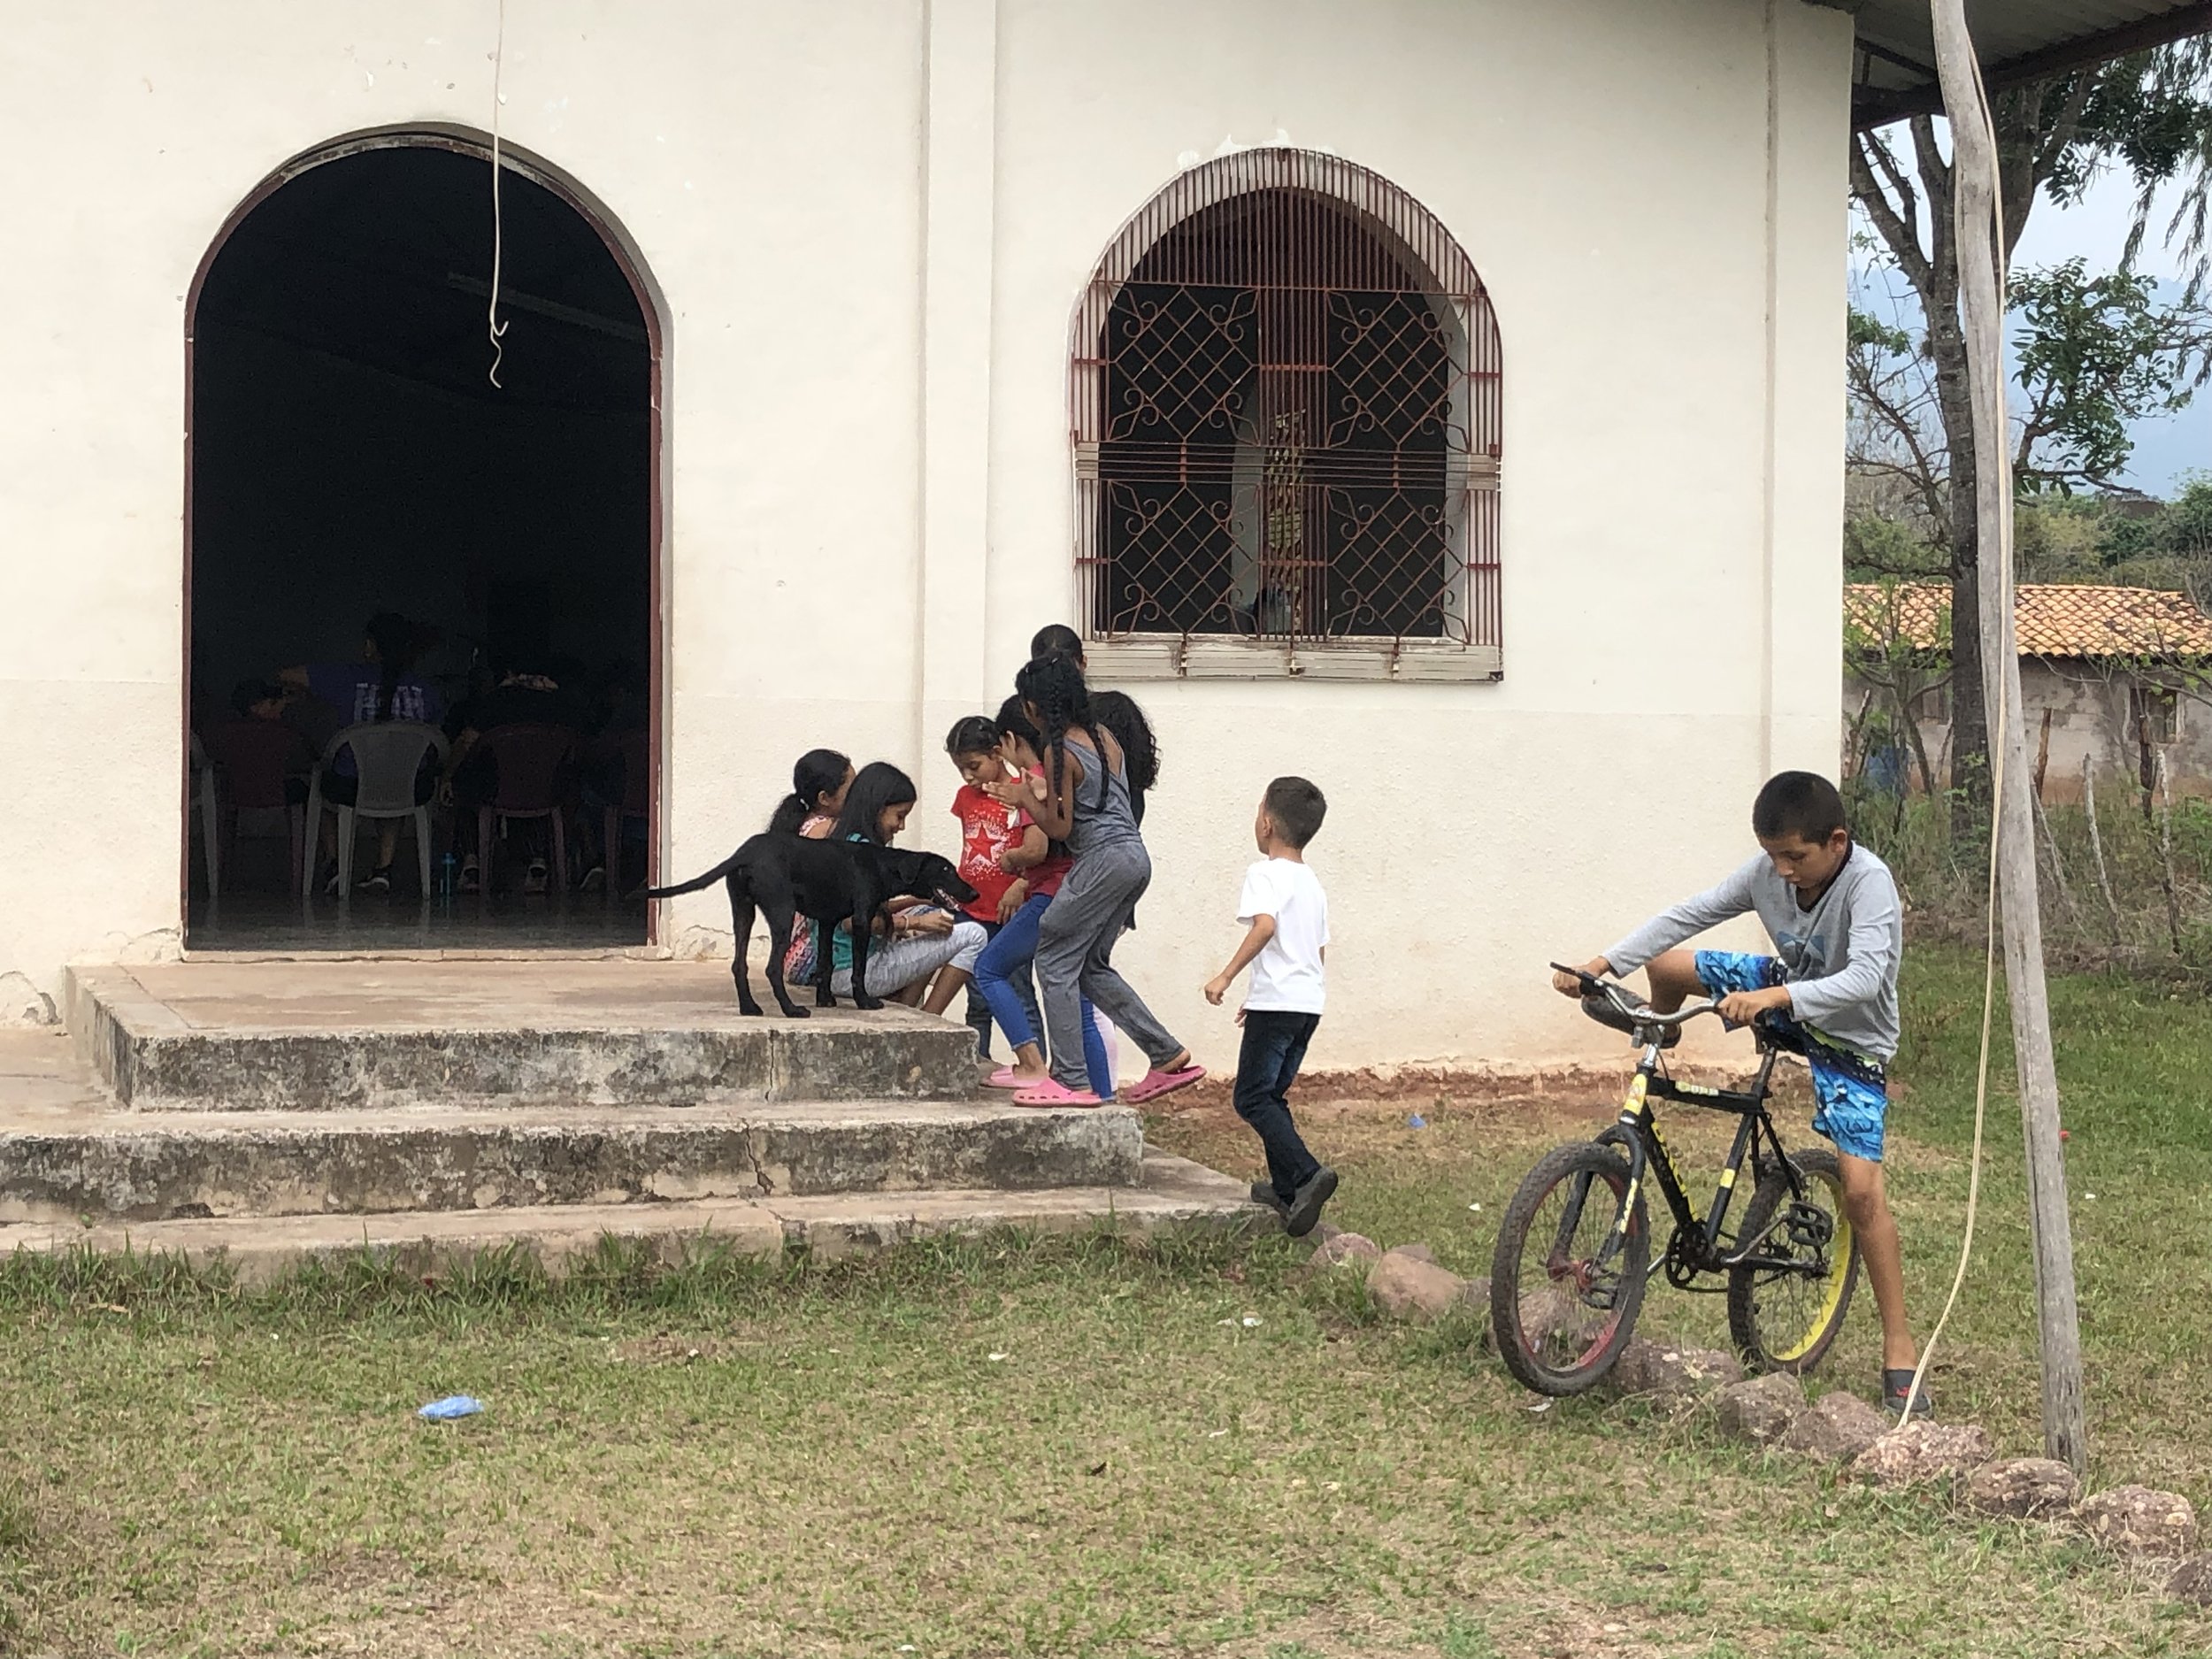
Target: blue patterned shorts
1850	1092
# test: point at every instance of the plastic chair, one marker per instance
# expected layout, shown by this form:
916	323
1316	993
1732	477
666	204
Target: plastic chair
532	765
637	801
203	797
254	761
387	754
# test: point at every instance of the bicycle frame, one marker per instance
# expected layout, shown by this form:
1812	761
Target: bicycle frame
1636	1131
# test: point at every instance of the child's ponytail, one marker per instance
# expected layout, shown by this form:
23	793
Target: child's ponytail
1053	686
819	772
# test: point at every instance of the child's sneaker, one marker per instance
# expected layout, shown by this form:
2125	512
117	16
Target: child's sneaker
1302	1214
1896	1386
1264	1193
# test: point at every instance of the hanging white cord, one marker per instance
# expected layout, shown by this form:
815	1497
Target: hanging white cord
2002	568
497	328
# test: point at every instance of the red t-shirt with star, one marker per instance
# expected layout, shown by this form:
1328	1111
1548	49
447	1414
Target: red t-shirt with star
988	828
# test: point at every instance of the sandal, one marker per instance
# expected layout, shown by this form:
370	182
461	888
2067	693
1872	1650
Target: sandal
1896	1386
1006	1077
1052	1092
1155	1083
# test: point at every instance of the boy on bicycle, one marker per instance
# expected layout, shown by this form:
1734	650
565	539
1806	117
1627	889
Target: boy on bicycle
1830	908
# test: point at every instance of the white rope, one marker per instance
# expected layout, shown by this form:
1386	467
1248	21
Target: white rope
496	327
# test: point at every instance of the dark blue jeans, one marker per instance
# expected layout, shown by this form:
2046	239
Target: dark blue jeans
1274	1048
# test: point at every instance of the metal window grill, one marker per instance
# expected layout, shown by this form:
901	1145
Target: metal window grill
1285	417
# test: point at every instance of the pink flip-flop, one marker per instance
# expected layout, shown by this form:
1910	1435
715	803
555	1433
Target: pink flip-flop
1052	1092
1155	1083
1006	1077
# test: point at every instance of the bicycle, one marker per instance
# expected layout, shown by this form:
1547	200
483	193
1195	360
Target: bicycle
1789	1269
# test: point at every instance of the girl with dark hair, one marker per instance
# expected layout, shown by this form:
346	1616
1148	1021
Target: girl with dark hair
376	689
1002	972
923	940
1115	711
818	783
1084	803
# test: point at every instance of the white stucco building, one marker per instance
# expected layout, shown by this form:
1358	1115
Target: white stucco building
960	317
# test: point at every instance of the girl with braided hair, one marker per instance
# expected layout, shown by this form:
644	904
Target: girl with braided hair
1086	804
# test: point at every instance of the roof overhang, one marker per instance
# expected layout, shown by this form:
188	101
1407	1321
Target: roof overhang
2019	39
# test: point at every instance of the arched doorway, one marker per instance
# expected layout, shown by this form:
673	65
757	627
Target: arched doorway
350	456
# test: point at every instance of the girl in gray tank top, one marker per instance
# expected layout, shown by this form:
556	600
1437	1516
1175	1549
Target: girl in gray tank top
1088	806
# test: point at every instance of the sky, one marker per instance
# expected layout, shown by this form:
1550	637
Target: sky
2095	230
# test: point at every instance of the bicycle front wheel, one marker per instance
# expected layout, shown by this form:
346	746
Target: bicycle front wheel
1567	1279
1785	1308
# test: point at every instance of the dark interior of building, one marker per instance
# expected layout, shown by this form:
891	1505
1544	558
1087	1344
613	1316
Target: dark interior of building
351	455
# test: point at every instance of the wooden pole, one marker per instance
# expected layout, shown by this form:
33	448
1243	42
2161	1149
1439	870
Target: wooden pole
2096	843
1981	295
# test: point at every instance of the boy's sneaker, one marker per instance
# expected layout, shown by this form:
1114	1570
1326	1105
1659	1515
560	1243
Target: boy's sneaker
1896	1386
471	877
375	881
1302	1214
595	879
535	882
1264	1193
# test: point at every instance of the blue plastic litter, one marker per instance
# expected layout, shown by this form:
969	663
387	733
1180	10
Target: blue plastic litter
449	1407
1417	1122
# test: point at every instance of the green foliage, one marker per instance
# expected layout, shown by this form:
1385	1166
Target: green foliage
2094	354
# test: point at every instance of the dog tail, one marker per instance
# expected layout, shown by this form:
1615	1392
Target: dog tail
696	882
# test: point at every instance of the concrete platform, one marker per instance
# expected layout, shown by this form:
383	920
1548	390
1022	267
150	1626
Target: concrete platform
67	1158
319	1035
1171	1192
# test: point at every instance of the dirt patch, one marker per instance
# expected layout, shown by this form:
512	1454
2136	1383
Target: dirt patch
667	1350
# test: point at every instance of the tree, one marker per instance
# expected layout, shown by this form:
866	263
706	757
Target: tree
2150	113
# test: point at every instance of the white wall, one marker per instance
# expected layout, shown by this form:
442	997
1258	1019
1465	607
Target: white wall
871	222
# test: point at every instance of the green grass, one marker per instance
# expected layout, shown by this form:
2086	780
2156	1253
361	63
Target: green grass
845	1468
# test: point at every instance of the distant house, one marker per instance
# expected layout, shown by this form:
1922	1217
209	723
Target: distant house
2110	676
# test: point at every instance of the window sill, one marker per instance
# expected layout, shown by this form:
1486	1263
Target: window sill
1172	656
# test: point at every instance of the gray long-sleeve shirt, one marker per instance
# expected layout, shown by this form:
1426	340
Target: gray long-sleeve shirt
1839	958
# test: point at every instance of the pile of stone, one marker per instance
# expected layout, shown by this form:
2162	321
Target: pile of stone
1838	1430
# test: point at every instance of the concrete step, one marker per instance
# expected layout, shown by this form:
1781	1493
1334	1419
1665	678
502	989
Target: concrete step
69	1158
309	1035
1170	1192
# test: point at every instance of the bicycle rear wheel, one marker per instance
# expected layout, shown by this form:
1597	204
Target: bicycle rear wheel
1567	1279
1785	1317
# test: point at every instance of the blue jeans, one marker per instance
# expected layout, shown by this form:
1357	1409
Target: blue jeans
1004	966
977	1013
1274	1048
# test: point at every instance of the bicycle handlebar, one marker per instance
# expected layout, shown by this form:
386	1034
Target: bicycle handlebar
1627	1004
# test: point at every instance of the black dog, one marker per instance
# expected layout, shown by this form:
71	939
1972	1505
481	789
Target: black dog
789	876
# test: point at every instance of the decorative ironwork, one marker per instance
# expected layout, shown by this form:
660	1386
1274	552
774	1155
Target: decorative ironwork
1286	415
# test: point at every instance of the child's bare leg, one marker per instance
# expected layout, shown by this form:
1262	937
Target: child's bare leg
1866	1203
1672	977
950	983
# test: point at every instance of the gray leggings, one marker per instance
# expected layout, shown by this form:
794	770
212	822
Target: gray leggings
1075	948
895	963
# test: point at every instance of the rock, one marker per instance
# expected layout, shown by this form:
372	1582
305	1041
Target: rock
2024	1488
23	1004
1836	1428
1921	1452
2137	1521
2192	1581
1761	1409
1672	1375
1415	1252
1408	1289
1340	1249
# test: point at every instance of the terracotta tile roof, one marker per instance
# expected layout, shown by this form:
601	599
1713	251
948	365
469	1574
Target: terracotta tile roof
2052	618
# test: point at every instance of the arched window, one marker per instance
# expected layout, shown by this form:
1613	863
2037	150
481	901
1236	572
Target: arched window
1285	414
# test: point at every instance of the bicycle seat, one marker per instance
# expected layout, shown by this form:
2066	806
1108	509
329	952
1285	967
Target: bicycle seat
1607	1012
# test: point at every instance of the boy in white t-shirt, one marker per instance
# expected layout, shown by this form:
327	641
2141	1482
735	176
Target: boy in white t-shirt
1287	915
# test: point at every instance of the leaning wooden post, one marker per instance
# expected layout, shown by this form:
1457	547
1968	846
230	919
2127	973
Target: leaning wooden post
1981	294
2096	844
